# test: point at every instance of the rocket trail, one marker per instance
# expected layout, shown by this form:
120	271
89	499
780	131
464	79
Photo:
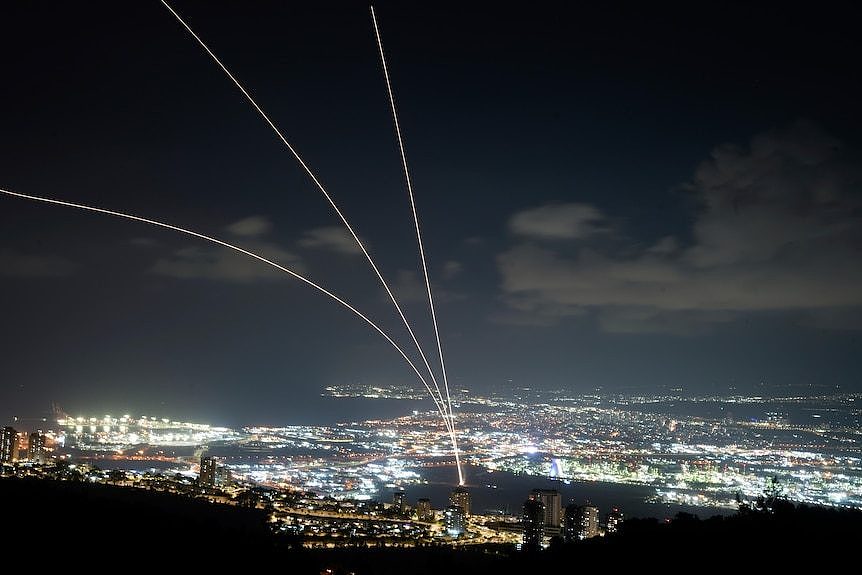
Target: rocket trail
440	407
316	182
406	175
448	400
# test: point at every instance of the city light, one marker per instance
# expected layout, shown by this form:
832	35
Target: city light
343	470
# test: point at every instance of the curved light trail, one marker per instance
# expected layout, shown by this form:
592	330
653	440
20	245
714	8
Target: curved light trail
321	289
316	182
400	139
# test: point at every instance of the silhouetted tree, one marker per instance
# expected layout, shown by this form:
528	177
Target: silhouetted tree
116	475
772	495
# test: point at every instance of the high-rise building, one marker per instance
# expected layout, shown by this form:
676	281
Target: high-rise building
398	501
581	522
572	522
8	445
461	497
613	520
589	522
550	498
533	524
208	471
223	475
423	510
36	447
454	520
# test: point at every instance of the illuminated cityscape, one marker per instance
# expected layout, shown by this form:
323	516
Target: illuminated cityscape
331	484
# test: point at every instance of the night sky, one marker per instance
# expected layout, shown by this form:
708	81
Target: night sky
612	197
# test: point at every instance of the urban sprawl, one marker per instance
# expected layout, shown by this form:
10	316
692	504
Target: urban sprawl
343	484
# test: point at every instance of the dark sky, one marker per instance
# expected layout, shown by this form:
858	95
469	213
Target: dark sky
627	198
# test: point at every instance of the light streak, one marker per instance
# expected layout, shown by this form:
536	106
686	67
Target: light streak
418	239
440	407
316	182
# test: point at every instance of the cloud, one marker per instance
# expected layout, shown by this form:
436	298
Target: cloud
645	319
451	269
17	265
519	318
251	227
222	264
332	238
777	229
144	242
409	286
558	222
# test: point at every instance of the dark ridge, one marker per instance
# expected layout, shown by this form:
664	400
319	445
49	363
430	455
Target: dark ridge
102	525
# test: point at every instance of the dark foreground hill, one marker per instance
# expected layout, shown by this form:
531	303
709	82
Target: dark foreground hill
80	524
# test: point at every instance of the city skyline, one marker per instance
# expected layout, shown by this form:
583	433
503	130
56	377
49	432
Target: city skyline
590	217
545	470
645	454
